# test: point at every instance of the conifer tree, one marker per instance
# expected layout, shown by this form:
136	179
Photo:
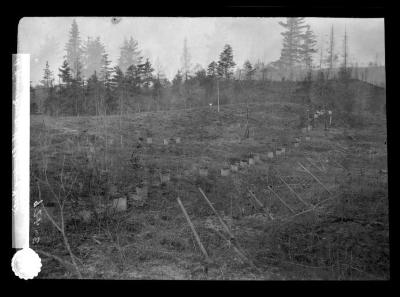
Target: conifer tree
146	71
48	78
185	59
212	69
292	38
129	54
331	57
74	51
226	63
248	70
105	71
65	73
344	71
92	56
308	48
177	83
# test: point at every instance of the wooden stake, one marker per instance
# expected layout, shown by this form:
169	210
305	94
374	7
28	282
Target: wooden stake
290	188
308	171
280	199
193	230
216	213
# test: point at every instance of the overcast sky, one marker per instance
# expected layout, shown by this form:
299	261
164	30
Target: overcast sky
161	38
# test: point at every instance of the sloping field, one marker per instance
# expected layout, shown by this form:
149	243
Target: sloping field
327	221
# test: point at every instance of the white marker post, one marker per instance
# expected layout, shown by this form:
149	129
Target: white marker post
20	150
25	263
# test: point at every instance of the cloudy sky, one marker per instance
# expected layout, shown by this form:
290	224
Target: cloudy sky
161	38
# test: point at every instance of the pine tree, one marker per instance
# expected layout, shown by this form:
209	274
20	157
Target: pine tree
92	59
248	70
226	63
33	105
50	101
129	54
65	73
291	50
177	83
119	89
105	71
74	51
48	79
331	55
93	94
133	79
146	73
157	89
212	69
344	71
185	59
308	48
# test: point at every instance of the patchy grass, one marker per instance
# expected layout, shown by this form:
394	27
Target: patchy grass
82	162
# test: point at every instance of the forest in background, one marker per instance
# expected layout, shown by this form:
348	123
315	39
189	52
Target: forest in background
87	84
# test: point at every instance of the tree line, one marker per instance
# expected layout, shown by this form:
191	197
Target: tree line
87	84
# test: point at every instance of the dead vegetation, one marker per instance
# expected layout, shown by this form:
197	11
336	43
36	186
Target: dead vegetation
272	220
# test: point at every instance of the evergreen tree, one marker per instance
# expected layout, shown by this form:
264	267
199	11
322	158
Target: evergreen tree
33	105
133	79
119	90
308	48
185	59
332	57
248	70
50	102
105	70
212	69
94	95
177	83
74	51
48	78
146	73
65	73
291	50
344	71
226	63
157	89
93	54
129	54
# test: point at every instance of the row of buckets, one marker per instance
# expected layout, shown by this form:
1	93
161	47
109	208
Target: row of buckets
203	171
166	141
121	204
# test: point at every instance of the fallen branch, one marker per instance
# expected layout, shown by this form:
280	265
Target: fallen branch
280	199
312	163
290	188
216	213
69	266
193	230
308	171
261	205
314	207
241	255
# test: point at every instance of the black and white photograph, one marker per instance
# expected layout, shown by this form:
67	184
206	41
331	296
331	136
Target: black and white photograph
207	148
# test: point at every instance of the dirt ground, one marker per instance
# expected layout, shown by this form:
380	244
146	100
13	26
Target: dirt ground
330	226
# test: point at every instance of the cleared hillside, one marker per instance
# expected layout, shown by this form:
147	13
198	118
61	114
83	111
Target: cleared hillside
337	229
